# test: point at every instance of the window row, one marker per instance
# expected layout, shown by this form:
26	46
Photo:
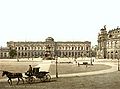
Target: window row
73	48
59	48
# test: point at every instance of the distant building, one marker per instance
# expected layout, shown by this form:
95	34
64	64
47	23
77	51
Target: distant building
4	52
50	48
109	43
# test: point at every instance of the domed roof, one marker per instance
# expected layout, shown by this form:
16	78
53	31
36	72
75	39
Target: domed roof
49	39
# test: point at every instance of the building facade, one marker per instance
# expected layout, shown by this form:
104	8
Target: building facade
109	43
4	52
51	48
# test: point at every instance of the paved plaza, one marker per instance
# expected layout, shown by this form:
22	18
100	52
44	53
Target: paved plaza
99	69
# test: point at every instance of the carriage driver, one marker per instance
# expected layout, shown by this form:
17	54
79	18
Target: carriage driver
30	70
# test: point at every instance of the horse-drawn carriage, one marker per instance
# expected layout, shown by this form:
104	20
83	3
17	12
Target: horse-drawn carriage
36	74
30	78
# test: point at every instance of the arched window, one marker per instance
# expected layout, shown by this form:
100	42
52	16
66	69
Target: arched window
38	48
29	48
69	53
59	48
28	54
25	48
5	55
63	48
1	54
22	54
75	53
59	54
35	54
66	48
81	48
75	48
41	48
35	48
72	53
25	54
66	53
86	48
22	48
72	48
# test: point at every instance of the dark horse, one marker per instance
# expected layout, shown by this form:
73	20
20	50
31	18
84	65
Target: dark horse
12	75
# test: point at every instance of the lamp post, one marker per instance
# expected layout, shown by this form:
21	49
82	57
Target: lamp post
32	52
118	60
118	64
91	57
56	57
28	55
17	56
56	67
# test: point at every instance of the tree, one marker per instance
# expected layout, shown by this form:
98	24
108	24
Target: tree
12	53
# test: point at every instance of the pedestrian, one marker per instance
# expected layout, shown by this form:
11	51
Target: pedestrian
30	70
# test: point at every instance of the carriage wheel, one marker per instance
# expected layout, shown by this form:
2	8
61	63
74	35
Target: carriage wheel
43	78
48	77
30	80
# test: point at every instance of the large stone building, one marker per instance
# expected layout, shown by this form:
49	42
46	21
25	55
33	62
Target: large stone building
51	48
109	43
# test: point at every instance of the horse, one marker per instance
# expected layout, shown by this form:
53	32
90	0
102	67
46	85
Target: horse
12	76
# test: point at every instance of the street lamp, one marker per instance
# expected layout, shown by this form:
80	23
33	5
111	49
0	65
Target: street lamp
17	56
32	51
91	58
118	64
56	67
28	55
56	57
118	60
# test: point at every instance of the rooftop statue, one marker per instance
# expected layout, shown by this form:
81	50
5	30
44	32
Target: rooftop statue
105	27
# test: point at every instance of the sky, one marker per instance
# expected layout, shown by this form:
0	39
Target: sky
64	20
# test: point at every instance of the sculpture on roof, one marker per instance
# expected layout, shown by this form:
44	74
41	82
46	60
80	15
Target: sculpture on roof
105	27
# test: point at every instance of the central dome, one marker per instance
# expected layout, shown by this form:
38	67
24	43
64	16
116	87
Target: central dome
49	39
